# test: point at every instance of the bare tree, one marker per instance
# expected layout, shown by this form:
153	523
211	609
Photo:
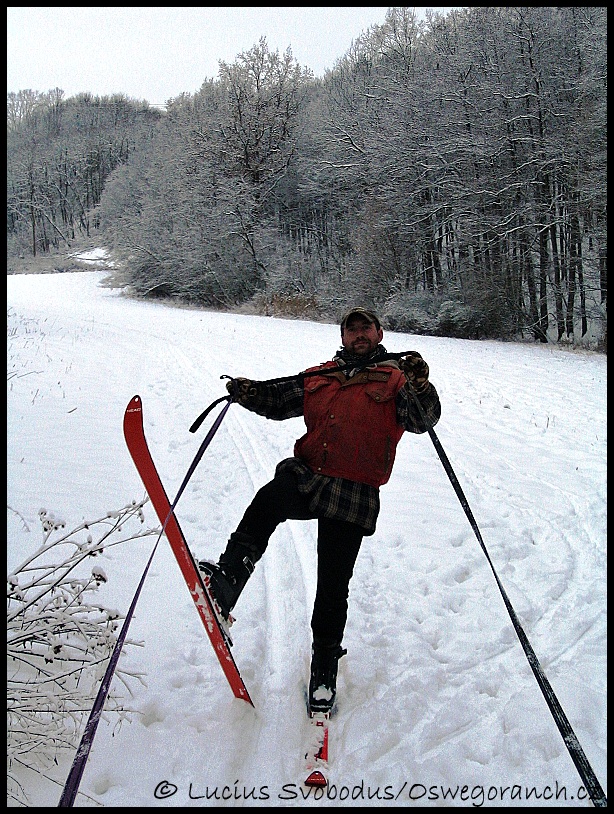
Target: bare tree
59	638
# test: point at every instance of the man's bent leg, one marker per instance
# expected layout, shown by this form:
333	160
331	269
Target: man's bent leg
277	501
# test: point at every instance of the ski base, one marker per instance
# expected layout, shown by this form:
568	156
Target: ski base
316	756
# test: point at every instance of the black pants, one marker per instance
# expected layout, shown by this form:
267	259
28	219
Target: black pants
338	546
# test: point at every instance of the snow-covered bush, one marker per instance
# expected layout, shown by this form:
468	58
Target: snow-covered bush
60	637
460	321
417	313
410	313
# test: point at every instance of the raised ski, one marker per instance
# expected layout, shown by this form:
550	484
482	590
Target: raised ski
137	445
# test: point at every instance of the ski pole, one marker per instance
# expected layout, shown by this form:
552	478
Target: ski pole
576	752
212	430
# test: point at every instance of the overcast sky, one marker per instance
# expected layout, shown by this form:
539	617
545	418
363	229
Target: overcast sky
158	53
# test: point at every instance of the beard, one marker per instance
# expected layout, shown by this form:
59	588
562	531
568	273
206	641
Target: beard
362	347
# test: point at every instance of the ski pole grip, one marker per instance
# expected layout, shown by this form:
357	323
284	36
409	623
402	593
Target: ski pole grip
234	396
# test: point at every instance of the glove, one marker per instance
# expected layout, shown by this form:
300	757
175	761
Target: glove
416	370
241	390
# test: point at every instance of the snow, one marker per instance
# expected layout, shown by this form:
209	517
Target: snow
98	257
437	705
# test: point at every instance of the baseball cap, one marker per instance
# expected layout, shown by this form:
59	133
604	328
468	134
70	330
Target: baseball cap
369	316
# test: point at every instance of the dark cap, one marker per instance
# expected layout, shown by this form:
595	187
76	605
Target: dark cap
368	316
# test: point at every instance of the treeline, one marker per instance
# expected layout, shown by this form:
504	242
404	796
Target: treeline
59	156
450	173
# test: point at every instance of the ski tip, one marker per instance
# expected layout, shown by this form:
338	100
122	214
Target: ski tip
316	779
134	405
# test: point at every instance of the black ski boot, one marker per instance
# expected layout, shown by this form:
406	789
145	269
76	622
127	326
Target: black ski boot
325	656
227	579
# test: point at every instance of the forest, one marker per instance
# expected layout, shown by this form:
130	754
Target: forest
450	173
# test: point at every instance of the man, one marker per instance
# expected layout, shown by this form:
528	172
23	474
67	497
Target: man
355	414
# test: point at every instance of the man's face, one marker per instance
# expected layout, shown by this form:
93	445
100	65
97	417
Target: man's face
361	337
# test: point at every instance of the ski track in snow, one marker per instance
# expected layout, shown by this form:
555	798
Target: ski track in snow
435	688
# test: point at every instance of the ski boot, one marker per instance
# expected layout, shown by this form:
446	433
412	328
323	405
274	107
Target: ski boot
227	579
325	655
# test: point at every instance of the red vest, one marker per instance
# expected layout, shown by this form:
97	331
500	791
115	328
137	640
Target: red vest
352	429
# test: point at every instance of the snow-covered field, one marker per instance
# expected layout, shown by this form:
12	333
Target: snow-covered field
435	693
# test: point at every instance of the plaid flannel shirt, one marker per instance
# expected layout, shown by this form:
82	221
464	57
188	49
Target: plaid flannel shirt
330	497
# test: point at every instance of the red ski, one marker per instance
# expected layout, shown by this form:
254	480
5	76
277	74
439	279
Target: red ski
137	445
316	756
